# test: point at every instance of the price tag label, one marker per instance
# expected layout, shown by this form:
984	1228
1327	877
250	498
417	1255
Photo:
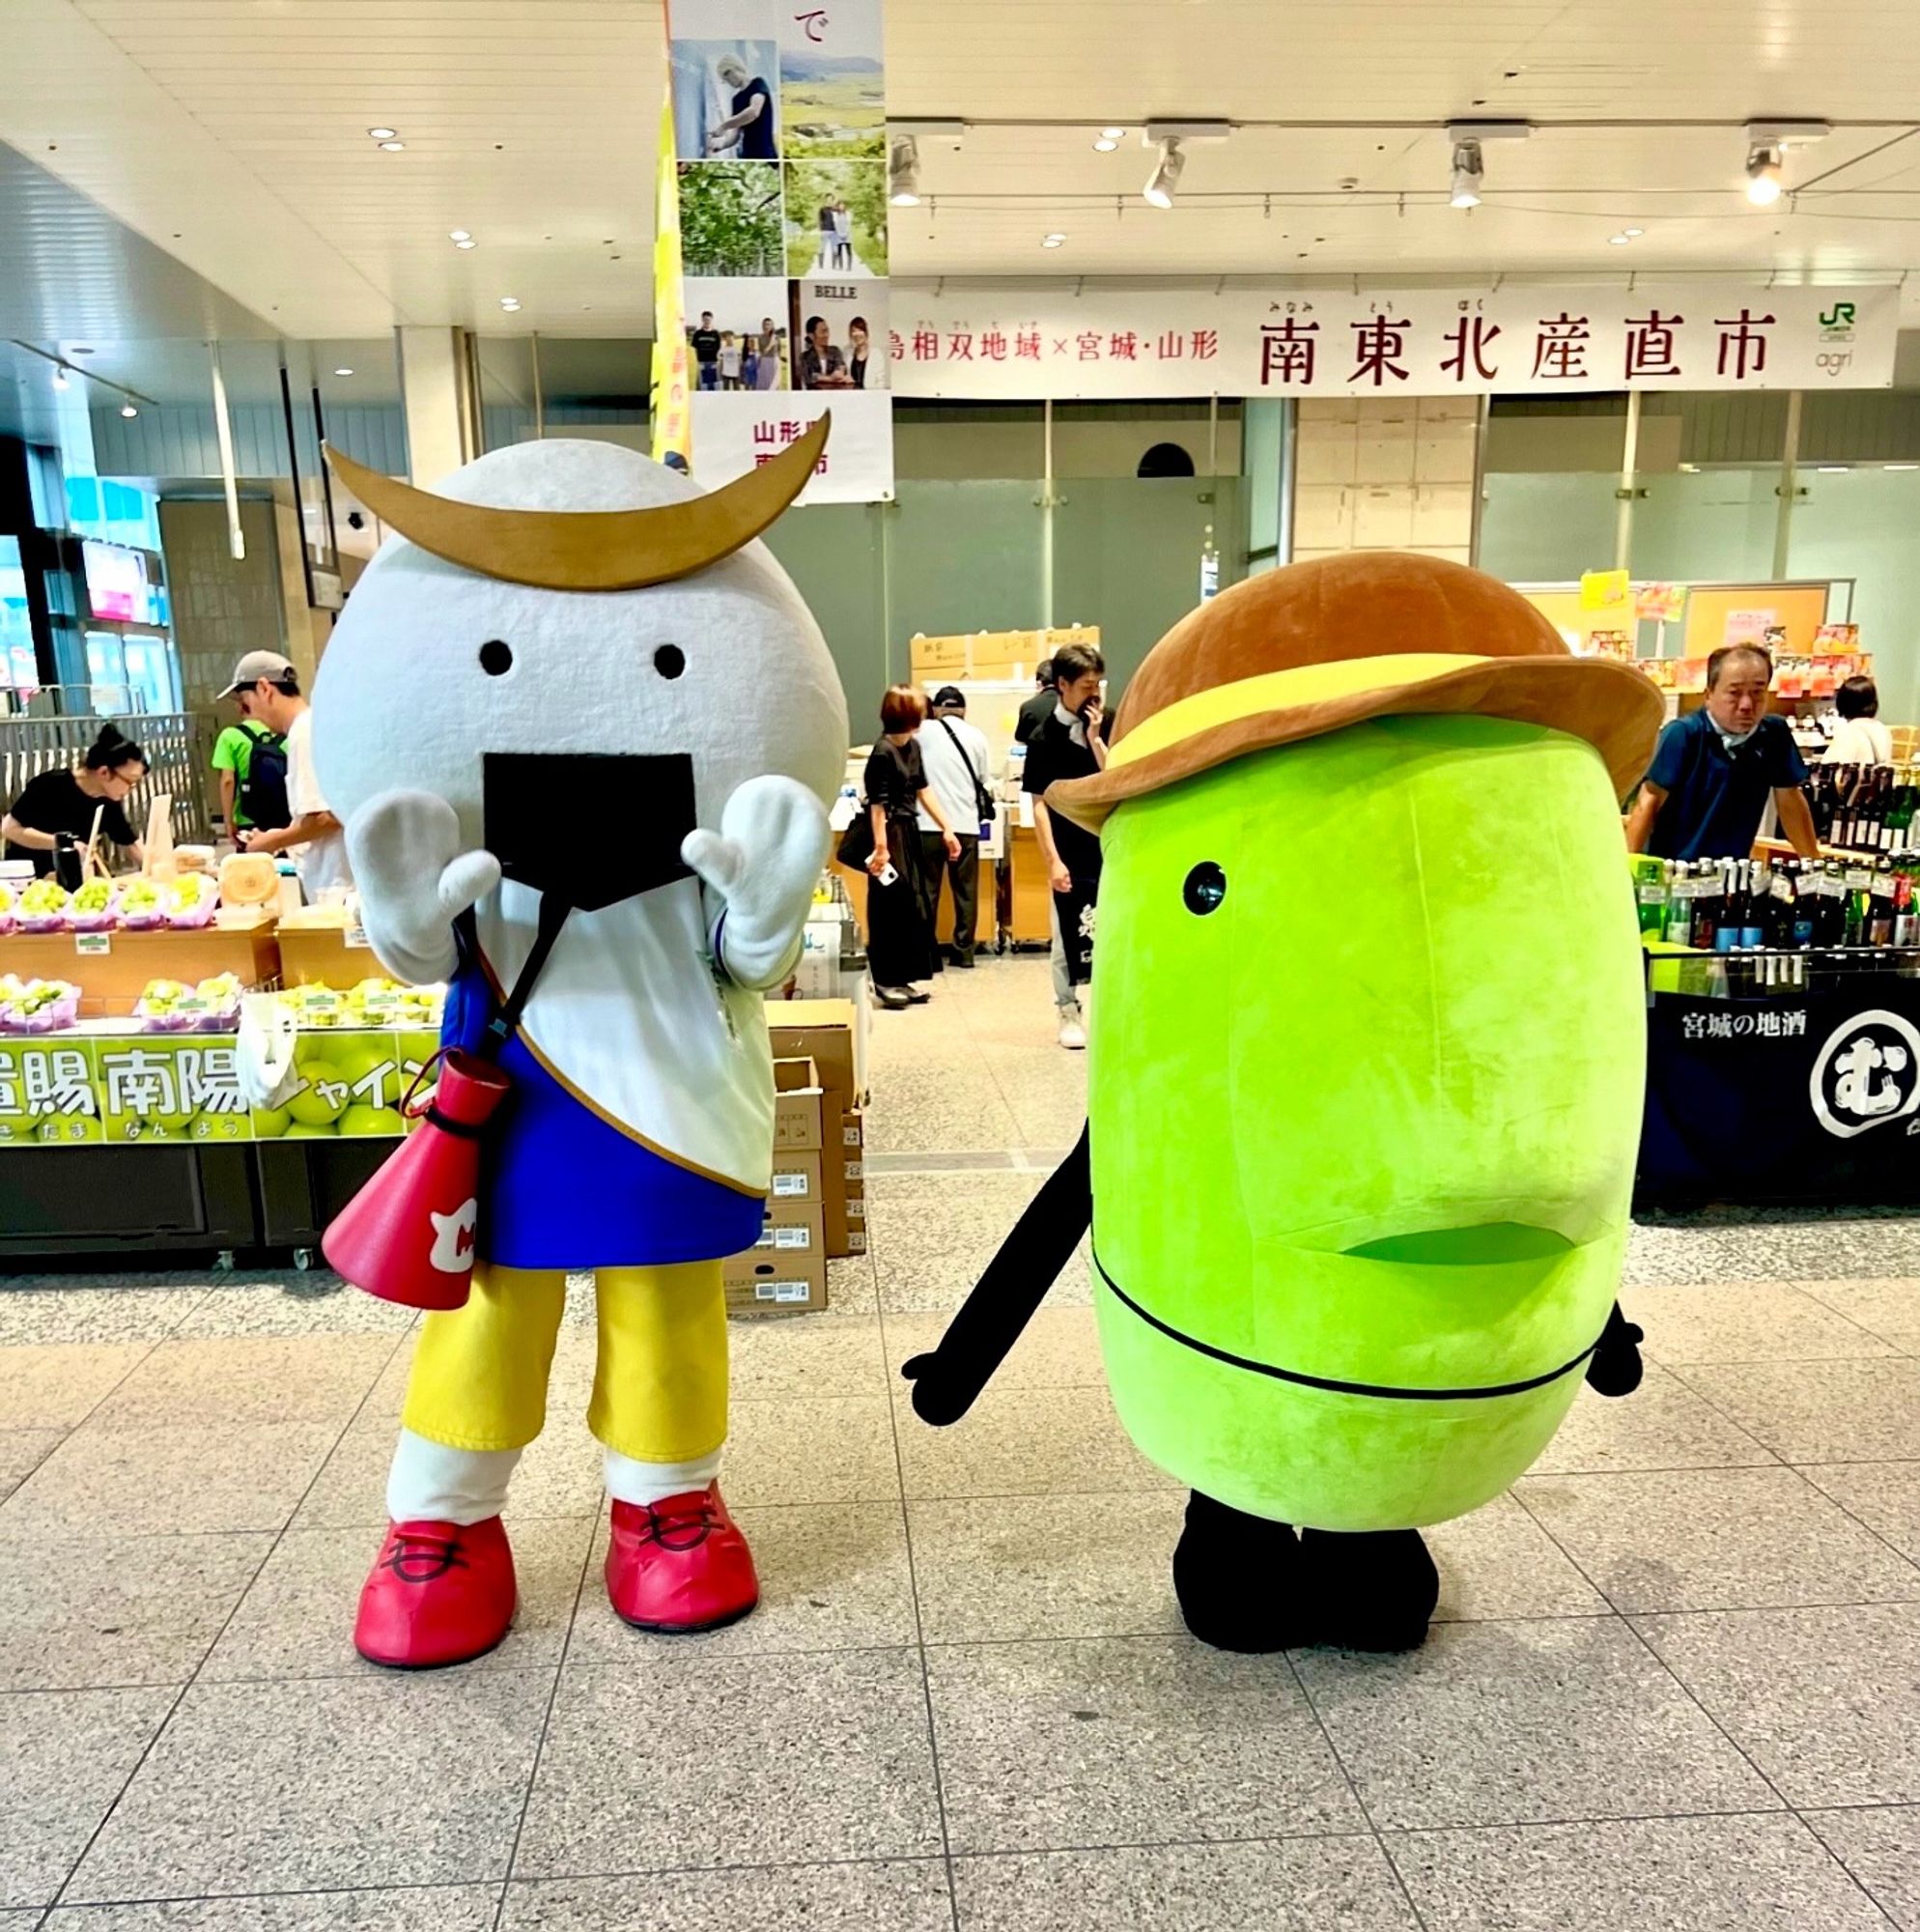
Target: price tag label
93	943
356	937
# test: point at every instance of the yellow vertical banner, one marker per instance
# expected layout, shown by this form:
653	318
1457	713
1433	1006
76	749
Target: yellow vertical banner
672	426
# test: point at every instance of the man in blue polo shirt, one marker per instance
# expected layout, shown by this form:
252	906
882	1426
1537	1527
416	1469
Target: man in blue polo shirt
1714	770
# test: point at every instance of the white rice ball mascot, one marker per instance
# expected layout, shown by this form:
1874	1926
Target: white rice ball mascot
573	682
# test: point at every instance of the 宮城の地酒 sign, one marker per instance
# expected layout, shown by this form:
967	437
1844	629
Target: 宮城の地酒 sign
1424	342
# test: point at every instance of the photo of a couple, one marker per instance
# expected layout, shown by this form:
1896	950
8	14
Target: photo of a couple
840	335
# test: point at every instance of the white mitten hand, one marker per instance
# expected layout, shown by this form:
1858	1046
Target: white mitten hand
763	863
415	880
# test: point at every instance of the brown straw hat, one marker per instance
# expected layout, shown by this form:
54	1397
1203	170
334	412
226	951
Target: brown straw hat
1305	650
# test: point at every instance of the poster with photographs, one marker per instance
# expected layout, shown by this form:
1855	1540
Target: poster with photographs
779	138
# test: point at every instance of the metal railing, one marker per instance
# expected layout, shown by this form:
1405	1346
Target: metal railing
178	749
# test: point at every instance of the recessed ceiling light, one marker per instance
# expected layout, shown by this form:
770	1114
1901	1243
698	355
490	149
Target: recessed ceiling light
1104	146
380	134
458	235
1633	233
1832	469
509	302
1052	240
470	242
343	372
393	146
1111	134
127	410
1618	241
1900	466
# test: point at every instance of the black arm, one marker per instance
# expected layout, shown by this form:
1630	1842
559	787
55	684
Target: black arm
1614	1368
946	1379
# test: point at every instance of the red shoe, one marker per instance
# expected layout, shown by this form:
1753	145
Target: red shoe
438	1593
680	1565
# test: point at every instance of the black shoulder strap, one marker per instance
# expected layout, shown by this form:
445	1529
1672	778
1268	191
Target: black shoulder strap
946	726
500	1029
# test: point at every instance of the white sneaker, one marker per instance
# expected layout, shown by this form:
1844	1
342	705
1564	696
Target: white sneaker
1073	1030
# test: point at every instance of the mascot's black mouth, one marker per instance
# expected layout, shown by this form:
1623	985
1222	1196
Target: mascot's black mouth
1328	1382
589	829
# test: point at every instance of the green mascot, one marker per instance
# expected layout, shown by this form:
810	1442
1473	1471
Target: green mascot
1365	1086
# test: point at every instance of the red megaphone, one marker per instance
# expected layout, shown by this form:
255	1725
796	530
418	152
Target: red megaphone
408	1235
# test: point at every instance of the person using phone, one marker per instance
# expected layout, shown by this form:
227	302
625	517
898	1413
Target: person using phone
1069	742
900	901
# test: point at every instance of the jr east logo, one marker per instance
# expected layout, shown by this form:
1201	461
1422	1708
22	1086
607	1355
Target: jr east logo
1867	1074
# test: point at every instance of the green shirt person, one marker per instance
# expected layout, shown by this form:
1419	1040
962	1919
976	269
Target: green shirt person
251	759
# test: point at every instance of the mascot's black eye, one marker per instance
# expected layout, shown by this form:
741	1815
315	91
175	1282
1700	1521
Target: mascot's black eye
1205	888
496	659
669	661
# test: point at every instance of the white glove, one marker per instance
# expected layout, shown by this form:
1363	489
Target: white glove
763	865
415	880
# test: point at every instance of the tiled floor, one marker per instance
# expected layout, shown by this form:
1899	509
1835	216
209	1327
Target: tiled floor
1675	1680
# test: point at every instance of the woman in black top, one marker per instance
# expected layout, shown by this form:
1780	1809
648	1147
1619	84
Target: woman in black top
66	801
857	350
900	912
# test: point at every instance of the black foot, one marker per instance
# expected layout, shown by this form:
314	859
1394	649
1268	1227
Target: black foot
1370	1591
1238	1578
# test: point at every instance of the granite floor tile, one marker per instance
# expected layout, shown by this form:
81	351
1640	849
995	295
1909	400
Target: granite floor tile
1820	1411
1023	1442
64	1756
805	1356
21	1452
80	1612
933	1234
763	1760
297	1620
1884	1495
445	1908
899	1896
1059	1347
947	1098
331	1781
1498	1562
833	1577
1126	1740
1524	1722
1810	1248
125	1482
1715	1539
852	1291
117	1308
558	1475
1891	1309
1293	1885
1744	1322
1826	1703
1881	1847
248	1380
836	1449
302	1304
1703	1874
1070	1566
1662	1425
59	1384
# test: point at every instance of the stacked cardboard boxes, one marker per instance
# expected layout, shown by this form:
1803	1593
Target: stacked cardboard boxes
786	1269
832	1034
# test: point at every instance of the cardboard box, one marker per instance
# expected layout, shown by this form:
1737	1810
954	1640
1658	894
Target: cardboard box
796	1177
843	1187
832	1035
797	1107
786	1267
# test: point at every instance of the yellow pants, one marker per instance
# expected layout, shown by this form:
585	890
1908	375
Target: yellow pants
479	1378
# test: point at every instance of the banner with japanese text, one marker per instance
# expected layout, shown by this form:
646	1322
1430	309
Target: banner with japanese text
779	134
954	341
668	402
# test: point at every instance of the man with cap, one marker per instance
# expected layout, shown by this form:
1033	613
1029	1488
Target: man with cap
956	758
271	687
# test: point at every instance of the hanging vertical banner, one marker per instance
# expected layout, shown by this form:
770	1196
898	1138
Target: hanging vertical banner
779	140
672	432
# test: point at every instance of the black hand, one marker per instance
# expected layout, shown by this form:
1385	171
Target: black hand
937	1398
1614	1368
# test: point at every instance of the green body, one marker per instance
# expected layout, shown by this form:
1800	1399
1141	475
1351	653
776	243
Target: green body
1413	1028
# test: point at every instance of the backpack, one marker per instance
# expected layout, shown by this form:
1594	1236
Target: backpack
262	793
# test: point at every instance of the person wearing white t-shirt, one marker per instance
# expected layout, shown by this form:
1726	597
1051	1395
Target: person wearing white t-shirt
1861	739
314	838
955	755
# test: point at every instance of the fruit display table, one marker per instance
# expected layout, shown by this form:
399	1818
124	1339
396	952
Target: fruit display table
113	969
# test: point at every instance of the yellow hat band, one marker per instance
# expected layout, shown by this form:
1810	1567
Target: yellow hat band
1282	691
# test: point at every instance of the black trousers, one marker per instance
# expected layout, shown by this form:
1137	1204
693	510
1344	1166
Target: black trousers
899	917
963	874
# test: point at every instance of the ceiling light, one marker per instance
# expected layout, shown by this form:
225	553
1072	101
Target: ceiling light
1691	469
903	172
1832	469
1469	171
393	146
1052	240
380	134
59	379
510	302
1900	466
458	235
1166	176
1105	145
1763	176
1633	233
127	410
470	242
343	372
1618	241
